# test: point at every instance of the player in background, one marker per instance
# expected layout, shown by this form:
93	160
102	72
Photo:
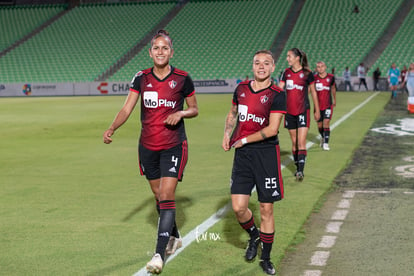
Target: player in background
326	91
251	127
393	79
409	80
296	80
163	142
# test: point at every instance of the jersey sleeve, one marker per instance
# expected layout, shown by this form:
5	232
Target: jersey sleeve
135	83
235	101
311	78
188	87
279	103
333	81
283	78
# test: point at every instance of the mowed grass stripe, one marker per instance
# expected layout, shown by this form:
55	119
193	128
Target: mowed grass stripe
71	205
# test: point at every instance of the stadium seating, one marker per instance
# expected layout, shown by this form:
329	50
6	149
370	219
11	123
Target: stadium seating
81	44
16	22
400	50
217	39
329	31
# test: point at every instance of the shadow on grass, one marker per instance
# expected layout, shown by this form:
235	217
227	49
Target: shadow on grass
182	202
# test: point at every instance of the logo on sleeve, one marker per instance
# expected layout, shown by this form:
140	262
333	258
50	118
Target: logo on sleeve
151	100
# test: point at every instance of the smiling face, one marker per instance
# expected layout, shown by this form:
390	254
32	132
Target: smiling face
263	66
161	52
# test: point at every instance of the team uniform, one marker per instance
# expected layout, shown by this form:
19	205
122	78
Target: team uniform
323	90
297	100
257	164
162	147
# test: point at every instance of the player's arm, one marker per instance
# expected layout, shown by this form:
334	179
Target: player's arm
316	110
231	120
190	112
271	130
122	116
333	91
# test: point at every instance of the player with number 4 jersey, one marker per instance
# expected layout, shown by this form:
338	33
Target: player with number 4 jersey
163	142
252	127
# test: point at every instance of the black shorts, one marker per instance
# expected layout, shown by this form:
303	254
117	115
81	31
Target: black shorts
297	121
260	167
326	114
164	163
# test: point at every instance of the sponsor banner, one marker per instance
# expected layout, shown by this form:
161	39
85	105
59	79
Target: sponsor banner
216	86
109	88
36	89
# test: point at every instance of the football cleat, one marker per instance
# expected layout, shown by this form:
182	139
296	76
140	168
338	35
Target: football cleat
251	250
267	267
326	146
155	265
173	244
299	176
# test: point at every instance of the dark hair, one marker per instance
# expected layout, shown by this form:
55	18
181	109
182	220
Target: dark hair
303	59
267	52
164	34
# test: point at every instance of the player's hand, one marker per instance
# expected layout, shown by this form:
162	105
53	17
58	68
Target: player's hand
226	143
107	136
174	118
237	144
317	116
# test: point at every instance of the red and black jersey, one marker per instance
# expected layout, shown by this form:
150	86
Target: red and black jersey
160	98
323	88
296	86
254	109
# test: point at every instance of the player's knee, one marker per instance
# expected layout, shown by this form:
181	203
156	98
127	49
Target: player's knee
240	210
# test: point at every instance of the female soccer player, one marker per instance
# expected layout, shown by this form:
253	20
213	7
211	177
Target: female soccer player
258	107
326	91
163	141
296	79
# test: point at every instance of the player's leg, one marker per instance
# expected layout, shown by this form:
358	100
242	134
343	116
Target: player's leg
242	183
165	223
269	189
320	127
267	235
293	138
302	152
326	134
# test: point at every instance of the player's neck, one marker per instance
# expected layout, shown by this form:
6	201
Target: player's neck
297	67
162	72
324	74
259	85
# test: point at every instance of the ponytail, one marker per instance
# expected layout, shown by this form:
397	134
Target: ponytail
302	58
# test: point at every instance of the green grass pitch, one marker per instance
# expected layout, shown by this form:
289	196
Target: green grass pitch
71	205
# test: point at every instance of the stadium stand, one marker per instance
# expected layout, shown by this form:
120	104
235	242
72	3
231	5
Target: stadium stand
329	30
400	50
217	39
16	22
80	45
212	39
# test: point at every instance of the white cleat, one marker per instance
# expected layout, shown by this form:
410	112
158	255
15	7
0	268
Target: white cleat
326	146
173	244
155	265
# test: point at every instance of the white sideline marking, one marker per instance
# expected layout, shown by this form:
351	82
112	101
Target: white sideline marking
312	273
190	237
333	227
339	215
320	258
409	193
327	242
344	204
